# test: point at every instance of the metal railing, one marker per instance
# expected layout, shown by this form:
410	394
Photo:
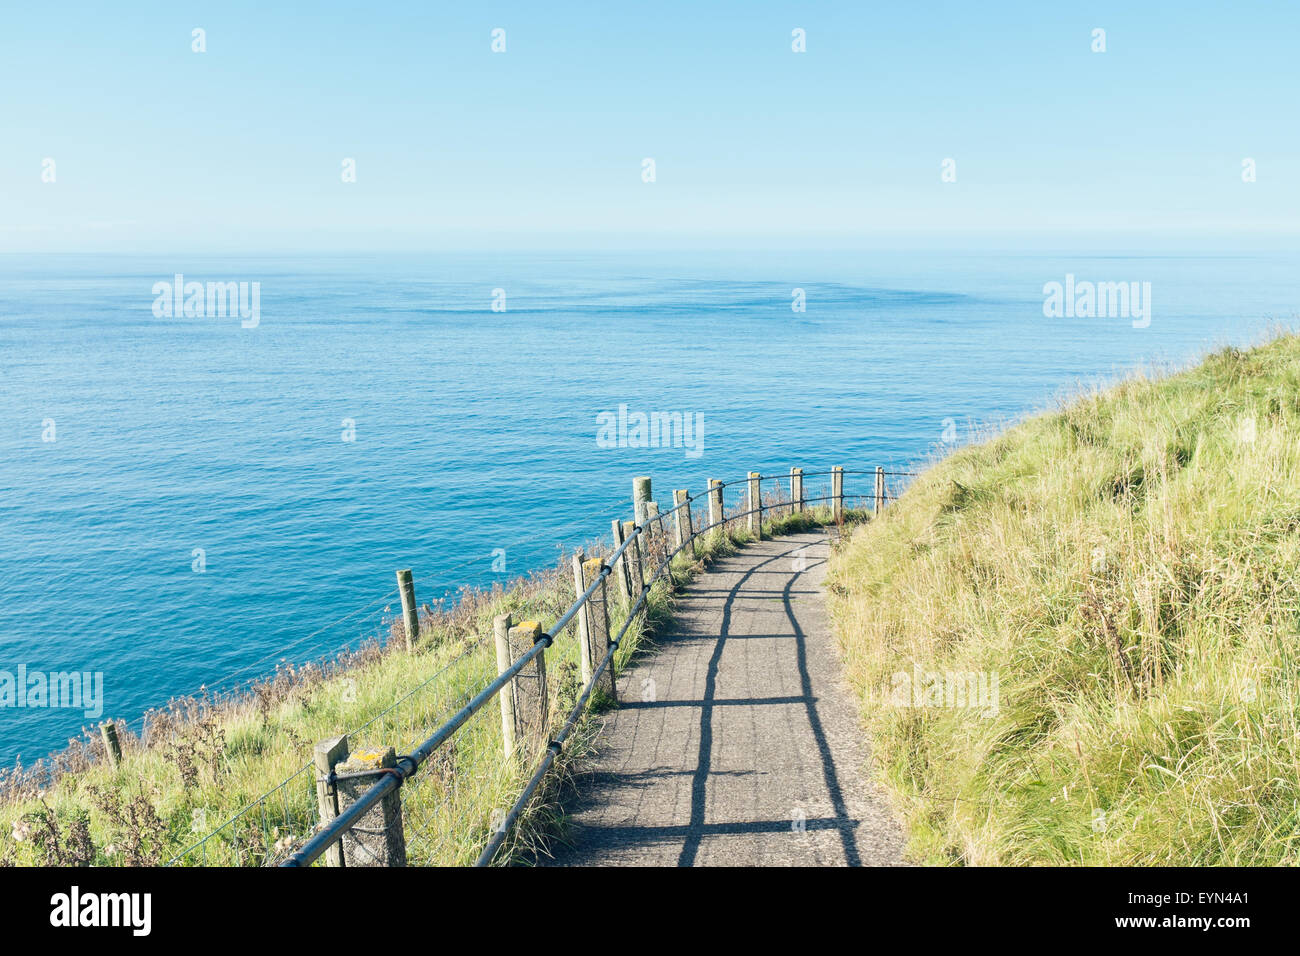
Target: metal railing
332	831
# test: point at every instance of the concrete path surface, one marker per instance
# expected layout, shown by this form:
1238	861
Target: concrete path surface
736	743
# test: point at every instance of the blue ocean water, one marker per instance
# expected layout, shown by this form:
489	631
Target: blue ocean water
475	430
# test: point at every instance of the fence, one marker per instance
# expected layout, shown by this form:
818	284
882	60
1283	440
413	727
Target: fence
362	818
260	829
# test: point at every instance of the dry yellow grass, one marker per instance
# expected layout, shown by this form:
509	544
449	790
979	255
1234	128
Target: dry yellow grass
1125	574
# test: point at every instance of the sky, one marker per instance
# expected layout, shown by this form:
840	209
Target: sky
158	147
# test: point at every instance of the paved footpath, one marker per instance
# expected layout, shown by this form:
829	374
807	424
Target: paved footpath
736	744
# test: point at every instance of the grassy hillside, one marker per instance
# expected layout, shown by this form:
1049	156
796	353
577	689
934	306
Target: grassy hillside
1124	573
238	771
207	763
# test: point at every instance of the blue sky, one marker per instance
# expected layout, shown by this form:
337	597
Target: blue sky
157	147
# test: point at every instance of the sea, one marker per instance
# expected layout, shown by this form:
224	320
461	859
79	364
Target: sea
191	497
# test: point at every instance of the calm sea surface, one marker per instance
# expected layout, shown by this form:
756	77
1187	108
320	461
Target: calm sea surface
475	430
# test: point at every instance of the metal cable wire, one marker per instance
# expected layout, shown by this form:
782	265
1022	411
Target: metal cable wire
653	544
279	652
214	684
556	744
616	509
408	764
395	707
387	598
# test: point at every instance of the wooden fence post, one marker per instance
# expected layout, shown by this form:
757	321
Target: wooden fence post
580	584
837	493
880	489
755	506
640	497
112	746
580	619
410	619
501	631
682	502
329	754
377	838
621	566
528	687
656	541
635	566
653	527
796	490
715	507
594	633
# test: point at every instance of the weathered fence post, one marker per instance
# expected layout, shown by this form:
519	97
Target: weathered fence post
880	489
635	564
410	619
501	632
329	754
377	838
657	542
796	490
837	493
579	556
715	507
621	566
112	746
594	631
640	497
580	584
528	687
755	506
682	502
653	526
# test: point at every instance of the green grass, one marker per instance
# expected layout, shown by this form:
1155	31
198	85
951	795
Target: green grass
208	763
1127	568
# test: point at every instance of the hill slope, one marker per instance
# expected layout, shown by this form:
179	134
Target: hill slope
1116	584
